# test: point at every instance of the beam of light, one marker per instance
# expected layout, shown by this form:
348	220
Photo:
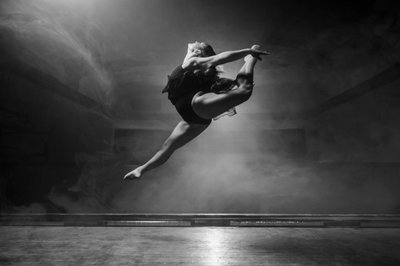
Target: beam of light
54	35
71	3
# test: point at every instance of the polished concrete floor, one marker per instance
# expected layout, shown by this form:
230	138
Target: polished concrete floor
27	245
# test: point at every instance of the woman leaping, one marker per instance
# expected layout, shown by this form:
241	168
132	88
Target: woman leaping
199	95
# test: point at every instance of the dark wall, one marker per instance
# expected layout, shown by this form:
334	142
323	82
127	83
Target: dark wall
43	136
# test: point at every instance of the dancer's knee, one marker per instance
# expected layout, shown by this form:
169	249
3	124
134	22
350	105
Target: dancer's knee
170	146
167	146
245	90
245	78
164	153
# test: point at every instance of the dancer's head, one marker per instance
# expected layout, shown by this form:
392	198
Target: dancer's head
201	49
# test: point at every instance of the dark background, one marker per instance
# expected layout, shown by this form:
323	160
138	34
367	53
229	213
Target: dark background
81	101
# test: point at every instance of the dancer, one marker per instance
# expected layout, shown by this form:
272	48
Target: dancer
199	95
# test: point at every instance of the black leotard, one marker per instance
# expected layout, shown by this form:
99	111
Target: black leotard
182	86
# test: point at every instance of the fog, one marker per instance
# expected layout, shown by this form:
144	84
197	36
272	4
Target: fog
269	158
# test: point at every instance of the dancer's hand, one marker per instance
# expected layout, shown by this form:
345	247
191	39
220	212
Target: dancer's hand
257	53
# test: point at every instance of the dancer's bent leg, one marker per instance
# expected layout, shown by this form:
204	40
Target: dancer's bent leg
182	134
209	105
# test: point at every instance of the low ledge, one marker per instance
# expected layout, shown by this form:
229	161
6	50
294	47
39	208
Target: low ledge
187	220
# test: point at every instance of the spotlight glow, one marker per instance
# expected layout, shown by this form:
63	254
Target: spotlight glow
216	247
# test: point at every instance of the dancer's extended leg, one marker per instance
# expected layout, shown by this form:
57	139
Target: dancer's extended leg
209	105
182	134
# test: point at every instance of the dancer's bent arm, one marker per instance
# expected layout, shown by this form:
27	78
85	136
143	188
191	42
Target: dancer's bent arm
221	58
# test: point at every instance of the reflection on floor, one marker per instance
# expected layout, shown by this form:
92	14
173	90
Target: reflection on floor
27	245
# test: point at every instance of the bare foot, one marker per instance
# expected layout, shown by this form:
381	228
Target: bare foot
249	57
135	174
256	47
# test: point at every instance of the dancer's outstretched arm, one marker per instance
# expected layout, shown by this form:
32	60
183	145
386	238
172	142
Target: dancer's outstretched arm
222	58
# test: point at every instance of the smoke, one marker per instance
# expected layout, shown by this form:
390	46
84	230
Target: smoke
337	171
58	38
206	177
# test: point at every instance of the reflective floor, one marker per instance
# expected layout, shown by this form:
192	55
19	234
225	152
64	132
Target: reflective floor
26	245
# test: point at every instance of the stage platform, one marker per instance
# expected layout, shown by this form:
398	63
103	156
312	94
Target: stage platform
190	220
76	245
199	239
